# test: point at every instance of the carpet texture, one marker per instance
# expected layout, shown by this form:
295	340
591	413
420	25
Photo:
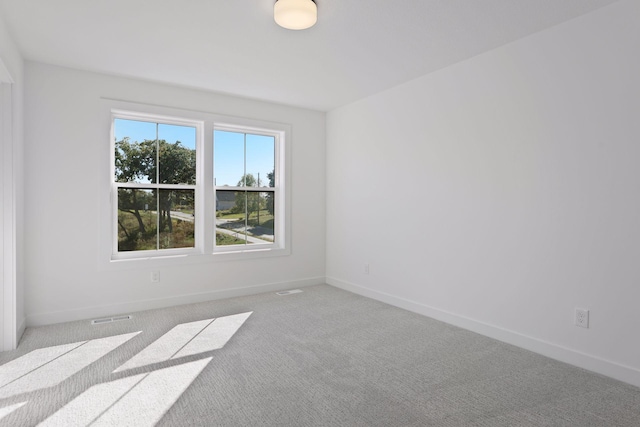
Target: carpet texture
323	357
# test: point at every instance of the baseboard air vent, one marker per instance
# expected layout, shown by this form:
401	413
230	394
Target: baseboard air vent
110	319
289	292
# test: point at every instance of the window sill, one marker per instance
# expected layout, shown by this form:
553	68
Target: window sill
190	259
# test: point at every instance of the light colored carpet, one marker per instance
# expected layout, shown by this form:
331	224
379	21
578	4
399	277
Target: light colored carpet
323	357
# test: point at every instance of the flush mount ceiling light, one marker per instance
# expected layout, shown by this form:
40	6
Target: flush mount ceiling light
295	14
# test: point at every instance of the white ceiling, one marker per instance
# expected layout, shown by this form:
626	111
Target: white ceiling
357	48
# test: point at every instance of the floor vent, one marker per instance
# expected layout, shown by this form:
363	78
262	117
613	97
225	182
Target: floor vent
110	319
292	291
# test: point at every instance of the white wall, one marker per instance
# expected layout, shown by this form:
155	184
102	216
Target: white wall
64	143
12	60
502	192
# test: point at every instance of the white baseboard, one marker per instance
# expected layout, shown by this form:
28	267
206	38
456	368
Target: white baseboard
40	319
608	368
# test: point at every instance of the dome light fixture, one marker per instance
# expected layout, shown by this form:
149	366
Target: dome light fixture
295	14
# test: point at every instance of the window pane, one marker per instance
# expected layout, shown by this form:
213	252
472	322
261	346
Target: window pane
177	154
260	154
244	217
176	219
260	221
135	151
230	218
228	158
136	219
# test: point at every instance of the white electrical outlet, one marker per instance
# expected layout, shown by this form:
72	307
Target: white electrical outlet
155	276
582	317
366	269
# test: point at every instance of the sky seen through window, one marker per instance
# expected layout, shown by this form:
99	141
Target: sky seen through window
231	156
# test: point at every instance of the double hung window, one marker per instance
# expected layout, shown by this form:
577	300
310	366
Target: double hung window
245	187
155	166
195	186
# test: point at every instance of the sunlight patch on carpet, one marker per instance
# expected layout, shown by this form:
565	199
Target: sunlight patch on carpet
50	366
138	400
9	409
188	339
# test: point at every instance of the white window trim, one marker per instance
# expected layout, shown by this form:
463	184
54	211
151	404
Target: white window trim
204	251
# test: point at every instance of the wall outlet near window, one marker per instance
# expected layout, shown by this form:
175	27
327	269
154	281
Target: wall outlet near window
366	268
155	276
582	317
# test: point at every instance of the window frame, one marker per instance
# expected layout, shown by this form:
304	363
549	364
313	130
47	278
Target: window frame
197	187
204	250
278	206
